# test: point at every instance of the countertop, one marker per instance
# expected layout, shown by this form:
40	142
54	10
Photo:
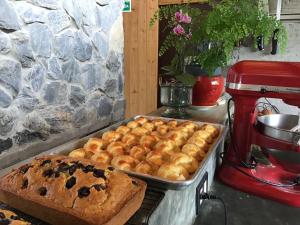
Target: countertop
245	209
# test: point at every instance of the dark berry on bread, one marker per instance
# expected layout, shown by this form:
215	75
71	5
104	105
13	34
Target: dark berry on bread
99	187
4	222
70	182
24	184
2	216
83	192
48	173
110	168
99	173
134	183
25	168
42	191
72	169
15	217
47	161
63	167
88	168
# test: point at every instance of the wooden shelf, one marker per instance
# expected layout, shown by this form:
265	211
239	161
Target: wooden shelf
169	2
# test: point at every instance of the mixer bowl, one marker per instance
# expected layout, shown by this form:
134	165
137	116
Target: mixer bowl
279	126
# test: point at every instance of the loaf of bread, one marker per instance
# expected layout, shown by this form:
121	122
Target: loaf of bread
10	218
65	190
165	148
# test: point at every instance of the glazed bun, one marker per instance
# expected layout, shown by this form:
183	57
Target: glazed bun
188	162
211	130
123	130
116	148
172	172
158	122
141	120
176	136
201	143
193	150
148	141
155	158
149	126
172	124
139	131
190	126
204	135
130	140
111	136
77	153
145	168
133	124
138	152
102	157
166	146
124	162
95	145
163	129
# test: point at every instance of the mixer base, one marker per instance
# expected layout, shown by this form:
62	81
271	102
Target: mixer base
289	195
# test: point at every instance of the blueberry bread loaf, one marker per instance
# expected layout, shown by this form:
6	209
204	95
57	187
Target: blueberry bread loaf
63	190
10	218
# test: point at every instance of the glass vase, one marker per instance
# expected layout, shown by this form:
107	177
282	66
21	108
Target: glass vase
176	97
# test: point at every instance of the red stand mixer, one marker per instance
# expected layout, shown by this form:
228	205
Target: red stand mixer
247	81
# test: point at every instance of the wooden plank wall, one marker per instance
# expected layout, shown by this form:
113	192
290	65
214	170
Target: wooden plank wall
141	58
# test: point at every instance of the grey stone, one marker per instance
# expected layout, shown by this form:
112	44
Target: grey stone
10	71
34	122
113	63
59	118
119	110
102	2
80	118
73	9
71	71
56	93
26	101
77	96
8	16
102	104
30	13
109	14
5	144
36	77
40	39
5	99
121	84
49	4
101	43
27	136
89	72
6	122
58	20
23	48
5	44
54	69
63	45
111	88
82	47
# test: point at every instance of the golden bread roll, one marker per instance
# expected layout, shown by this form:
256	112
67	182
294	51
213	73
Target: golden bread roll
188	162
138	152
172	172
102	157
200	142
133	124
116	148
201	155
148	141
172	124
123	130
78	153
191	150
141	120
183	131
157	135
177	137
130	140
155	158
140	131
204	135
149	126
166	146
124	162
145	168
191	126
163	129
95	145
157	122
111	136
211	129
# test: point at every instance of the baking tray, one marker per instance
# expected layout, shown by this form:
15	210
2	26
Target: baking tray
151	180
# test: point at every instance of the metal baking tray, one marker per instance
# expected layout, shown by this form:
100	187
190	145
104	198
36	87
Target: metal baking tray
151	180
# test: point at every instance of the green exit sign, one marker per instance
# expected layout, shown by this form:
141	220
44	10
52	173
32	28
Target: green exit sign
127	6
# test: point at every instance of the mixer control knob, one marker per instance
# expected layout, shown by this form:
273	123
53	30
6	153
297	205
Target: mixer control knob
263	91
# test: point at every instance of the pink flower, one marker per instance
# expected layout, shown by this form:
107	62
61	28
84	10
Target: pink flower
178	16
186	19
178	30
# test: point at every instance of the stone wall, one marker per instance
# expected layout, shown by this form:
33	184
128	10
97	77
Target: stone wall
61	72
292	53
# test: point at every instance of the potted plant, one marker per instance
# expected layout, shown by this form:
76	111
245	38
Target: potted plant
209	41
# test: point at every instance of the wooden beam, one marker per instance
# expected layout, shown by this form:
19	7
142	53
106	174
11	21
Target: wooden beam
141	58
170	2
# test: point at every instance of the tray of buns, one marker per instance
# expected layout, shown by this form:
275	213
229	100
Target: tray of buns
167	153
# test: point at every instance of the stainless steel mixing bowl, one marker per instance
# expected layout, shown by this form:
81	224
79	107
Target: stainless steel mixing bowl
279	126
